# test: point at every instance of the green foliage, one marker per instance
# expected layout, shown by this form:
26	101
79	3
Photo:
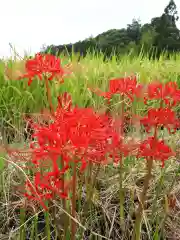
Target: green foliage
16	98
1	163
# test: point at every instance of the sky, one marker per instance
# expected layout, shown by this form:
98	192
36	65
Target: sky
28	24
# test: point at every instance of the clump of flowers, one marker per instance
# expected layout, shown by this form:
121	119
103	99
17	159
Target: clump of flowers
77	138
161	117
43	65
127	86
167	93
75	134
154	148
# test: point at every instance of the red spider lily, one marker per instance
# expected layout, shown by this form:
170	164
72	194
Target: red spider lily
124	86
81	123
155	149
43	64
73	130
76	134
166	92
92	135
160	117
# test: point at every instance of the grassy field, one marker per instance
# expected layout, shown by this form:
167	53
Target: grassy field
160	217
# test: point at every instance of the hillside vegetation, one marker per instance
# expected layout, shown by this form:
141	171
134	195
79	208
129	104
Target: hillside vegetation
160	35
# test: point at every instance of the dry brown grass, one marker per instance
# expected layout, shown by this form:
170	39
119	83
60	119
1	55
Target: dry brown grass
104	216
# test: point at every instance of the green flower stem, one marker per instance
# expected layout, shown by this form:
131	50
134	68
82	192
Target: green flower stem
73	224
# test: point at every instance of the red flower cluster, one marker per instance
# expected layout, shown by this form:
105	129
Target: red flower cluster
168	93
43	64
153	149
80	135
76	134
124	86
160	117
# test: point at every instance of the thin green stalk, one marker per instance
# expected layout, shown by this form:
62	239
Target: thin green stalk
121	196
166	210
89	188
95	176
157	194
64	201
139	213
48	92
34	229
121	191
73	224
47	226
55	222
92	182
80	196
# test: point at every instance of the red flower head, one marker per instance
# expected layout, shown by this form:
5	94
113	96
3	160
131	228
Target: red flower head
83	125
124	86
153	149
168	93
160	117
43	64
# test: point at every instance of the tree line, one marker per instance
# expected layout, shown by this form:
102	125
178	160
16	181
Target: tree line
161	34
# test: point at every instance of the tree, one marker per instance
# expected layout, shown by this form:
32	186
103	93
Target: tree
134	31
148	37
171	10
168	35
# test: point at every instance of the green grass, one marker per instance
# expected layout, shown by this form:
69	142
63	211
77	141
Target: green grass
17	98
